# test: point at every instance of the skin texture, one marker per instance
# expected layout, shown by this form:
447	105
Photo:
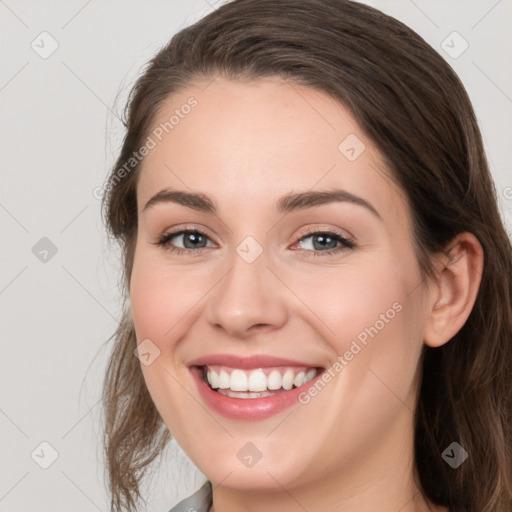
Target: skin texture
245	145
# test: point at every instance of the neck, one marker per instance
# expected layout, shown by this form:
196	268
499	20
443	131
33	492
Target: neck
379	477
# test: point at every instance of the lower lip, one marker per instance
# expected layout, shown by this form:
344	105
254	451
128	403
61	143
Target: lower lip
247	408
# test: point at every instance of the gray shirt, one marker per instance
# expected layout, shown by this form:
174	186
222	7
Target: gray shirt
200	501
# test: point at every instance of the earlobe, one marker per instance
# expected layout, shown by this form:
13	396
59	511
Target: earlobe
453	296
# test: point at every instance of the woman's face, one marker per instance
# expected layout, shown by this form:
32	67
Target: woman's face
264	290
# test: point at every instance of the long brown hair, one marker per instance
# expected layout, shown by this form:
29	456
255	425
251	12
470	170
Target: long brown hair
414	108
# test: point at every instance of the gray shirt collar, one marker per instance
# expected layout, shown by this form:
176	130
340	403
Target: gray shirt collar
200	501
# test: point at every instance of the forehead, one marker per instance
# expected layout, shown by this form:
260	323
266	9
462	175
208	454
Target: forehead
250	142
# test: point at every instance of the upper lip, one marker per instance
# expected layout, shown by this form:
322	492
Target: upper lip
256	361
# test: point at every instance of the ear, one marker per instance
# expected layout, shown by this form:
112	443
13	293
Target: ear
452	297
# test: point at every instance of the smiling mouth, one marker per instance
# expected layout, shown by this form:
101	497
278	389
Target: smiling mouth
257	382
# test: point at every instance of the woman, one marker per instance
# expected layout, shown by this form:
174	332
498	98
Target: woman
318	279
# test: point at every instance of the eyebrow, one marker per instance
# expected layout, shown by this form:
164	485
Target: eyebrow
287	203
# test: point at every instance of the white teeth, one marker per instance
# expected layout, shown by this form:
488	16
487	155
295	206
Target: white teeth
299	379
256	383
274	380
223	379
213	379
238	381
242	394
288	379
309	375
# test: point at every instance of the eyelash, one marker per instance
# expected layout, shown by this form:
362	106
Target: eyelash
346	243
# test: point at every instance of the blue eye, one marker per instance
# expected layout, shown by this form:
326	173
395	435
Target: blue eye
197	242
193	237
327	239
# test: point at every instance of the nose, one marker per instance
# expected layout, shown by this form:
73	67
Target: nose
248	299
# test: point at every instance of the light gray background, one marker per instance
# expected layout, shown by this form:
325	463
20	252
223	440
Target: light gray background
59	134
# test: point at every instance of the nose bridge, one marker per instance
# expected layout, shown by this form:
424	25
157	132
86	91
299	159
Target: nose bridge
249	294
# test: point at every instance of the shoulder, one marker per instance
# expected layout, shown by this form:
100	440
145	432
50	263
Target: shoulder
200	501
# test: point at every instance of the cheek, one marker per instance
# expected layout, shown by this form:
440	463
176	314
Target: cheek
161	297
371	316
381	336
149	302
354	301
374	326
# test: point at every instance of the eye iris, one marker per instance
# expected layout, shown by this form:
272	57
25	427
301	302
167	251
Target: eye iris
323	241
194	238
